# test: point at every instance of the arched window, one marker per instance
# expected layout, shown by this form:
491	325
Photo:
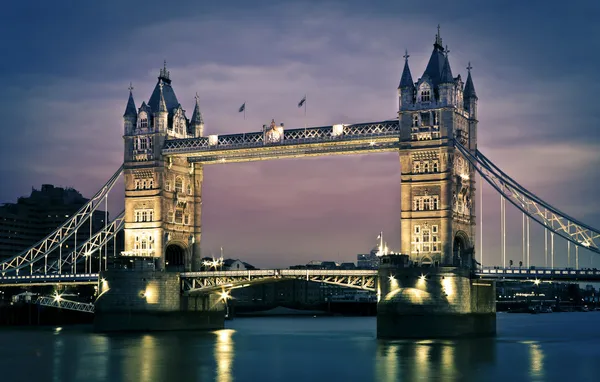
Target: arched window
436	166
417	167
426	166
178	185
435	203
143	117
425	95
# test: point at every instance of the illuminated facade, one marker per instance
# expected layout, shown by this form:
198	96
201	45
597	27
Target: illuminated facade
162	194
438	185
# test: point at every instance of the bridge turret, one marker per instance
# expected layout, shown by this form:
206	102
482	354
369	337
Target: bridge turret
161	114
130	115
470	97
406	89
447	85
197	122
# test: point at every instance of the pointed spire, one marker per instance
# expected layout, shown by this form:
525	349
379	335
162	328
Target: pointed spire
162	105
446	76
406	80
130	109
469	91
197	115
436	62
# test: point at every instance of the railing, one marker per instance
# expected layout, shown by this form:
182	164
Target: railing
81	278
58	302
324	134
540	273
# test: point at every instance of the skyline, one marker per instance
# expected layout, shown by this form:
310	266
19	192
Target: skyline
265	206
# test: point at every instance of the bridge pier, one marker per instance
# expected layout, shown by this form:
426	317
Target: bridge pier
432	302
148	300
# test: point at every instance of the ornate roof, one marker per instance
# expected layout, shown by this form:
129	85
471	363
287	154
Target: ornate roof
130	109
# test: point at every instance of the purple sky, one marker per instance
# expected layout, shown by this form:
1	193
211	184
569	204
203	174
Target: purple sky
535	70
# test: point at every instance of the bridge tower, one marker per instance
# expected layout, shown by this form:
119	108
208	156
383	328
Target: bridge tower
163	195
429	291
438	185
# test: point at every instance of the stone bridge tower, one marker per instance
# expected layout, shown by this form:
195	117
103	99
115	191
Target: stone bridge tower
431	292
438	185
163	195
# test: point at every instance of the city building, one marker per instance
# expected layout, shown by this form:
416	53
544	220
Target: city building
368	261
32	218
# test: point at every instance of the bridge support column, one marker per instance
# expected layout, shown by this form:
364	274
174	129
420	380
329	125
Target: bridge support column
432	302
148	300
197	233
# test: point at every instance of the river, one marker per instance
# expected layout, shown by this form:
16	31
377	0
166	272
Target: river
542	347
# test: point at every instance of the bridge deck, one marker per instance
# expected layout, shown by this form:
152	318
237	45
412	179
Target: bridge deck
363	279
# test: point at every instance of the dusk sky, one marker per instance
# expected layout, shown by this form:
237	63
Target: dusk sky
67	65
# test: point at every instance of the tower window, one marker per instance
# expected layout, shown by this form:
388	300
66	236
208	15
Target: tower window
436	166
435	118
178	216
417	167
425	95
168	185
189	188
178	185
425	120
144	123
415	120
143	143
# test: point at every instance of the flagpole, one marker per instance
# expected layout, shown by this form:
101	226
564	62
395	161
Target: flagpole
305	101
244	110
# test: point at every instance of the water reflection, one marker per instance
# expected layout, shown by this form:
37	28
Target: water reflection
536	356
432	359
224	355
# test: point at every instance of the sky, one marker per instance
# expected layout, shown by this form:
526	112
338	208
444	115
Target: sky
67	66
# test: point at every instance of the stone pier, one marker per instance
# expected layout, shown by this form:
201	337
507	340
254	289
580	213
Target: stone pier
433	302
147	300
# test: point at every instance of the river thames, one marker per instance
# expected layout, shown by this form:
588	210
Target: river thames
542	347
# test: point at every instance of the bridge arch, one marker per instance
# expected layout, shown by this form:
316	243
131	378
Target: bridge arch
175	256
462	250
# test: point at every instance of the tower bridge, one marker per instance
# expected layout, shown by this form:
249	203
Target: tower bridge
435	134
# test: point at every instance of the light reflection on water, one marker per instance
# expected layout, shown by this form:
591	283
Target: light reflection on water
528	347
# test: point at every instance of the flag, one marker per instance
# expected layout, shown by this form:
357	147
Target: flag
242	108
302	101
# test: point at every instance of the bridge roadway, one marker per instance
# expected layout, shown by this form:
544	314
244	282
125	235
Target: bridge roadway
206	281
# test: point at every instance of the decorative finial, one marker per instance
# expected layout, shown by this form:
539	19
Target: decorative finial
197	97
447	50
406	55
438	37
163	72
130	87
469	67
